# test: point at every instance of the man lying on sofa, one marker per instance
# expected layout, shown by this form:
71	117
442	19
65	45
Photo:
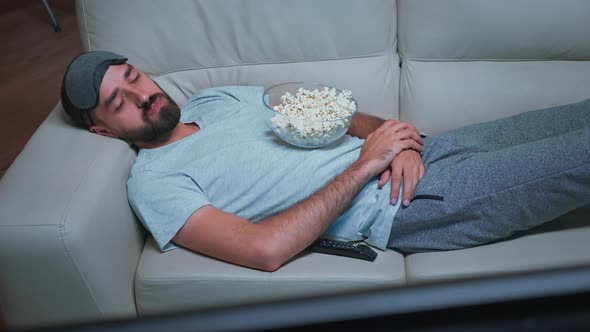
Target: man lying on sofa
212	179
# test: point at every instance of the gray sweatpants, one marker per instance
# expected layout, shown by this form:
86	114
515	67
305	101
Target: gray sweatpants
485	182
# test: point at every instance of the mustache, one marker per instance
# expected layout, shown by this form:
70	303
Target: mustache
147	105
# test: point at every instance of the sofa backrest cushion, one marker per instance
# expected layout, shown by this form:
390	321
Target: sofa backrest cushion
189	45
468	61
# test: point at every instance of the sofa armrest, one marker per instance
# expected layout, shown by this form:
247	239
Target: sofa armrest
69	242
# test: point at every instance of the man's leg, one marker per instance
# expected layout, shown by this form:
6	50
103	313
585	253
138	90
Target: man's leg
498	178
522	128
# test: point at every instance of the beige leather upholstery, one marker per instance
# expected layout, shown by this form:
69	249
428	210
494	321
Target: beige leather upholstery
471	61
70	242
438	96
501	30
71	248
560	243
180	279
200	44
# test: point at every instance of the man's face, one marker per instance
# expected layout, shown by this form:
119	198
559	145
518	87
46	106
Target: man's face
134	108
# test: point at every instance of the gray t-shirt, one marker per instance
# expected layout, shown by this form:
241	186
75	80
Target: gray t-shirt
237	164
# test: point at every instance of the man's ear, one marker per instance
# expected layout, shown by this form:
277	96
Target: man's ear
102	131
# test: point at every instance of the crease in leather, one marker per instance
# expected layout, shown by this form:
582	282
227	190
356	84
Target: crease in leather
62	226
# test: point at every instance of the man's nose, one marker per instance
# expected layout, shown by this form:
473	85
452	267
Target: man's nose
139	96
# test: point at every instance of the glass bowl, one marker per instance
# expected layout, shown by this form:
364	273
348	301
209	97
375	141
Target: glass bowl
302	128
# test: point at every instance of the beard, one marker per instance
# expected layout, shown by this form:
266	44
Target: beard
160	129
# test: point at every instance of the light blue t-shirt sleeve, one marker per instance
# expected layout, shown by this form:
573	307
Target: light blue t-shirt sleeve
163	203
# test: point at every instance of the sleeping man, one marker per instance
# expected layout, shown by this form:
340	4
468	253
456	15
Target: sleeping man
213	178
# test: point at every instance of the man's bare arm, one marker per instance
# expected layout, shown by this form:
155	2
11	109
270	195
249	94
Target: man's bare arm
363	124
271	243
267	245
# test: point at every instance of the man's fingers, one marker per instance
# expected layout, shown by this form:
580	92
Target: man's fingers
411	144
396	180
404	131
408	134
383	178
410	181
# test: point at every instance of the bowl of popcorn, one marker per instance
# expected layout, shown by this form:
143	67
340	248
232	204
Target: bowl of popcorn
309	115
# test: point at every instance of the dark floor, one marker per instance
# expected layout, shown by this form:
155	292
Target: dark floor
32	60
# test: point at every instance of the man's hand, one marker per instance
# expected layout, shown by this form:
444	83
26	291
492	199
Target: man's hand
409	166
387	141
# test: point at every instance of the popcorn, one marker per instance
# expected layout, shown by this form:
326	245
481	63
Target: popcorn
313	118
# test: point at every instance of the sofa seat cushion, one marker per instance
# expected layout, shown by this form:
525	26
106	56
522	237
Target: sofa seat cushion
560	243
182	280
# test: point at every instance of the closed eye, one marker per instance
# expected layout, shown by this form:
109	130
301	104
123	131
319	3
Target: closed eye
118	107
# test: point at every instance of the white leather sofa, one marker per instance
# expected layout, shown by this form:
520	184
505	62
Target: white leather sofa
71	248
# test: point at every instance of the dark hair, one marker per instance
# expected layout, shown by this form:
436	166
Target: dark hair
80	117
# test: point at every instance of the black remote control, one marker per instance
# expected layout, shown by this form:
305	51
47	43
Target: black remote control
344	248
